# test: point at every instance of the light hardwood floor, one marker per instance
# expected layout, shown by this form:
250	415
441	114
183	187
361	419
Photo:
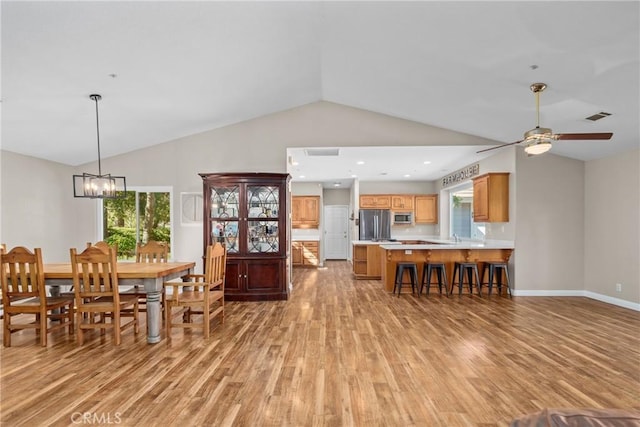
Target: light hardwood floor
340	352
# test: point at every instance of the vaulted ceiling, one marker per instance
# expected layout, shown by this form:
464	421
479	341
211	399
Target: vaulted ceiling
170	69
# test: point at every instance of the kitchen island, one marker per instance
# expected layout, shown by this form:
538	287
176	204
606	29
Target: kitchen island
445	251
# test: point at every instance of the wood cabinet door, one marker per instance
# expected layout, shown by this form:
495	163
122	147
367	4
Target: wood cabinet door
402	202
310	253
491	197
264	275
374	261
296	210
426	209
481	199
233	277
296	253
375	201
305	211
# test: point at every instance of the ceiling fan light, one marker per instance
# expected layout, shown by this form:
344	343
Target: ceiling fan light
538	147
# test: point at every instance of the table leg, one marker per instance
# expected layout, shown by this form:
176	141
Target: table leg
154	318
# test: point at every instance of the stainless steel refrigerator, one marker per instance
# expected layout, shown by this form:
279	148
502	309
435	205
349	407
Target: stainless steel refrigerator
375	224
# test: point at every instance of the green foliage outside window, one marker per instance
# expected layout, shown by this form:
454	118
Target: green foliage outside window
124	225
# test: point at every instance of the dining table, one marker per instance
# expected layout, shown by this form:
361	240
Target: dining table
149	276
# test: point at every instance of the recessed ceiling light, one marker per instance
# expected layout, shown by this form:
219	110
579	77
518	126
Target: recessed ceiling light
360	162
354	176
336	184
407	176
427	162
301	176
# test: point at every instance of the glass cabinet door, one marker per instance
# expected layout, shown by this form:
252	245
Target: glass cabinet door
263	203
225	215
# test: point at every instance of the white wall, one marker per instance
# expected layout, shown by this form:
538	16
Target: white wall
397	187
338	196
39	210
612	226
549	223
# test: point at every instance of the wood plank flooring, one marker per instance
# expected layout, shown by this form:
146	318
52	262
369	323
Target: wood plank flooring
340	352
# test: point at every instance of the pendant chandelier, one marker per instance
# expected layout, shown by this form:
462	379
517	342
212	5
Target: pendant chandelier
99	186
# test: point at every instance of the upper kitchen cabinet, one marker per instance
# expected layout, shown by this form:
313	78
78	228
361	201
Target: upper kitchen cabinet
491	197
426	210
402	202
305	211
375	201
248	213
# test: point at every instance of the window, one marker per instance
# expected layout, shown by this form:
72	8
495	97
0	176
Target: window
144	214
461	208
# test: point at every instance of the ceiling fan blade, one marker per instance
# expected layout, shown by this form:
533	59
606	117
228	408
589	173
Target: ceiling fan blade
499	146
584	136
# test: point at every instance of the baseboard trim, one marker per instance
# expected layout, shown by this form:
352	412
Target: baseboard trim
578	293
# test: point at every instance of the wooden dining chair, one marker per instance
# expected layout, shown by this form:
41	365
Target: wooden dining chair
104	246
24	292
151	252
95	282
198	294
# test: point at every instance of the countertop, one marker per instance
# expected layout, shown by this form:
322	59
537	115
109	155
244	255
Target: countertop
438	243
373	242
496	244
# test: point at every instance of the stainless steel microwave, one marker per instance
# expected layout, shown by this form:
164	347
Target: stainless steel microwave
403	217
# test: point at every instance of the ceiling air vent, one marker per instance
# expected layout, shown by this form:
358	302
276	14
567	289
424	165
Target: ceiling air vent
598	116
322	151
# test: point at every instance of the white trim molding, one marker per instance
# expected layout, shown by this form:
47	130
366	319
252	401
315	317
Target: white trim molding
578	293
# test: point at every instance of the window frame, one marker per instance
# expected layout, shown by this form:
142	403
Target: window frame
137	190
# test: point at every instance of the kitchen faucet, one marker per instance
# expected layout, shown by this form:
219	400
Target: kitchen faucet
456	238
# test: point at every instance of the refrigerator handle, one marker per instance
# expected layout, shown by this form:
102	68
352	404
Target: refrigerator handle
376	229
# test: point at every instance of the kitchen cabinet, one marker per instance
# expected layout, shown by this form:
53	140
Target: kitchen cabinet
426	210
375	201
305	211
491	197
402	202
305	253
367	262
248	213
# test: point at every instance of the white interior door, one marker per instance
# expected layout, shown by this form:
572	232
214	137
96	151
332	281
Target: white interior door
336	231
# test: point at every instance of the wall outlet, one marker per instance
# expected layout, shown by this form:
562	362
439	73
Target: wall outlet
408	252
618	287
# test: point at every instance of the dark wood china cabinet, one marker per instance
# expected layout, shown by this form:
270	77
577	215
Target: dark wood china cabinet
249	214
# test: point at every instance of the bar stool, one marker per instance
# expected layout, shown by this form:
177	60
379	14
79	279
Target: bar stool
439	268
471	268
495	268
412	269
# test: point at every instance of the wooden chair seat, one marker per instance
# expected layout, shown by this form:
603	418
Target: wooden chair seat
32	305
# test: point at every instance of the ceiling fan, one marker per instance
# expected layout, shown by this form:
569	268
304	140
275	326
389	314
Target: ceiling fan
538	140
